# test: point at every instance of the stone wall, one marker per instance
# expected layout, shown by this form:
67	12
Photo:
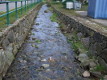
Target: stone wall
12	38
92	39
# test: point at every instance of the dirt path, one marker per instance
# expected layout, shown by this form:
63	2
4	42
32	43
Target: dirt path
46	55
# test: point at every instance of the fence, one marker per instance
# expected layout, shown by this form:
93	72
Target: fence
20	8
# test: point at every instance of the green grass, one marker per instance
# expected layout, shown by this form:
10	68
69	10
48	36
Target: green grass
54	18
84	7
38	41
76	43
60	7
73	45
2	13
12	16
100	68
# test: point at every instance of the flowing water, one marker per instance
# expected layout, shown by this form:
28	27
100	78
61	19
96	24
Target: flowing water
45	55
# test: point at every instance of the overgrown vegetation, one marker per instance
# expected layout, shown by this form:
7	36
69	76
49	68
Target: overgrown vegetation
54	18
38	41
100	68
2	12
79	47
76	43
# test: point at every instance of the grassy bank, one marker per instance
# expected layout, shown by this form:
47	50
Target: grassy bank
21	13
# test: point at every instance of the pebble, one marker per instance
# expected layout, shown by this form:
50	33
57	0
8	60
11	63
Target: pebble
51	59
45	65
83	57
44	60
86	74
92	64
105	77
33	38
48	70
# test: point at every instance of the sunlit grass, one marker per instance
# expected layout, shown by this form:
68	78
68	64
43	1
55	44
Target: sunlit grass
54	17
12	16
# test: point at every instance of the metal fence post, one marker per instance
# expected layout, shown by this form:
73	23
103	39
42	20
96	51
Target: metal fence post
30	3
7	17
16	9
35	1
21	7
25	5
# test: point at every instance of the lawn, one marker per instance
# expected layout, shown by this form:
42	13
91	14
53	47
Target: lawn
13	16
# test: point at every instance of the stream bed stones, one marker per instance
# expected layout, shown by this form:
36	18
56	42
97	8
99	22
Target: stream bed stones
45	55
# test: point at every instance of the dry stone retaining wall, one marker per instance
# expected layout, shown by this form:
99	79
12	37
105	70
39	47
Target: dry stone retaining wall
12	38
92	39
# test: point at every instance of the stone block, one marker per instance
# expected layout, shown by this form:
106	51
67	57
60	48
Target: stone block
104	54
79	35
2	61
86	41
9	54
5	43
10	36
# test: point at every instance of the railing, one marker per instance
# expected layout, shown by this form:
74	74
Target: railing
8	16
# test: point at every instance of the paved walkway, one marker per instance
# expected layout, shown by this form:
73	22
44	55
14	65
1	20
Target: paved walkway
11	6
46	55
99	21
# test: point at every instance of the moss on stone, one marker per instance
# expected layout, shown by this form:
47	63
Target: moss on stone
77	45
